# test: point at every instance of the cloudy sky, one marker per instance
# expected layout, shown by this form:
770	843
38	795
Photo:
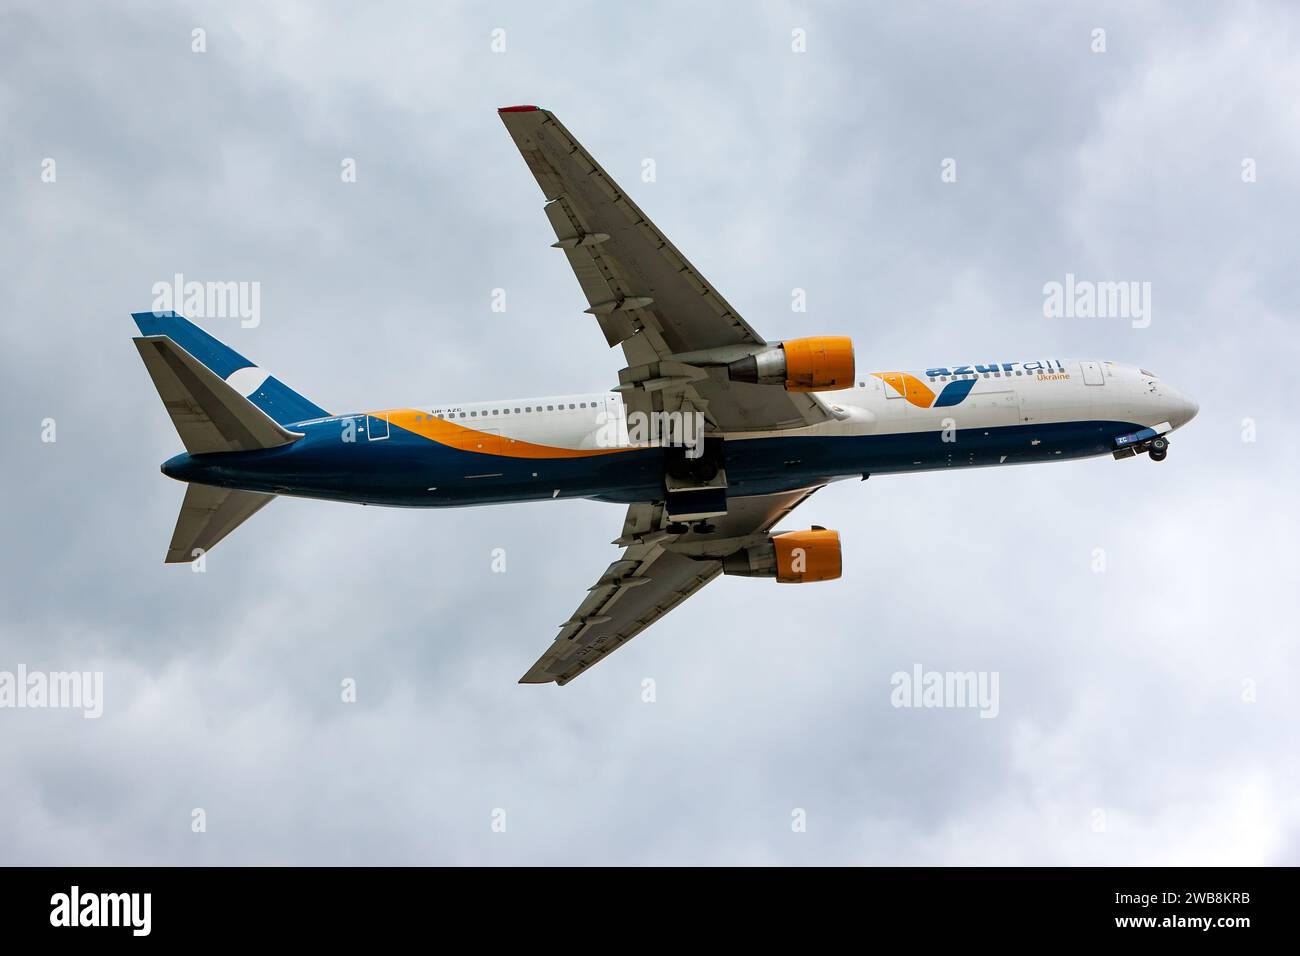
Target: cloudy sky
1147	712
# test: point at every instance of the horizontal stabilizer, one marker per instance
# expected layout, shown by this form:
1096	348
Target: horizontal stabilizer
207	515
208	413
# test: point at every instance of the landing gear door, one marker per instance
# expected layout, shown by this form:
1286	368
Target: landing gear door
1092	374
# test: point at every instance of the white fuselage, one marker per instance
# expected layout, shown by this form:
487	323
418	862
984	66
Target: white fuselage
1066	391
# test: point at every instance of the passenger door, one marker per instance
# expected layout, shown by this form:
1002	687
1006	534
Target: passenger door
894	387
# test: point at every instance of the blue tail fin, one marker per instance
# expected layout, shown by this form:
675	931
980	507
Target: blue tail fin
279	401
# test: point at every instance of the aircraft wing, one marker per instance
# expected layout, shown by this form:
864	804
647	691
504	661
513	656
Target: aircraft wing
644	293
656	572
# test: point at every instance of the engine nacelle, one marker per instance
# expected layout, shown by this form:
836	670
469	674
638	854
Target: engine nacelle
796	557
823	363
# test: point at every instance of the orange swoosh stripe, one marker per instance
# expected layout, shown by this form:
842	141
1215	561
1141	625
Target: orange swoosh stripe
909	386
472	439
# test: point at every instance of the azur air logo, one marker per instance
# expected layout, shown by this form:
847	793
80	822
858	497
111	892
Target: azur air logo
920	394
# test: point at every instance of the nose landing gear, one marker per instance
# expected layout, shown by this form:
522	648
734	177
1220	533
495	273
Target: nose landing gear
1146	440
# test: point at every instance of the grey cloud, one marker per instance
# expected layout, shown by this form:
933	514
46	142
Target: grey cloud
1120	692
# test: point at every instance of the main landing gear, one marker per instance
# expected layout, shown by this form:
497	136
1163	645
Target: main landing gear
695	487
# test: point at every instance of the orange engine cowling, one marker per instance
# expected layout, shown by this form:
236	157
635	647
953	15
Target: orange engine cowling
820	363
804	556
795	557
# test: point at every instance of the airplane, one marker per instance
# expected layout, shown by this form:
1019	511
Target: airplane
711	437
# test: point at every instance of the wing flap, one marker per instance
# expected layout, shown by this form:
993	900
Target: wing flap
668	580
656	572
644	293
566	171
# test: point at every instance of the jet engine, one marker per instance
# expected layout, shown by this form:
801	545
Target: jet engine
795	557
819	364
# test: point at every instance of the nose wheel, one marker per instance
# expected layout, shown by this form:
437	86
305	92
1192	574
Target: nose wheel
1159	449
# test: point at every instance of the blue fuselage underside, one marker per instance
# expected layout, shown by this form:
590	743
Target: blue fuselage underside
408	470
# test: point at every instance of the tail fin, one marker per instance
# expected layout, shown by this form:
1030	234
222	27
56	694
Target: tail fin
208	515
281	403
208	413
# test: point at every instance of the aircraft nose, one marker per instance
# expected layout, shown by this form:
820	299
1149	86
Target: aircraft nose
1183	410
